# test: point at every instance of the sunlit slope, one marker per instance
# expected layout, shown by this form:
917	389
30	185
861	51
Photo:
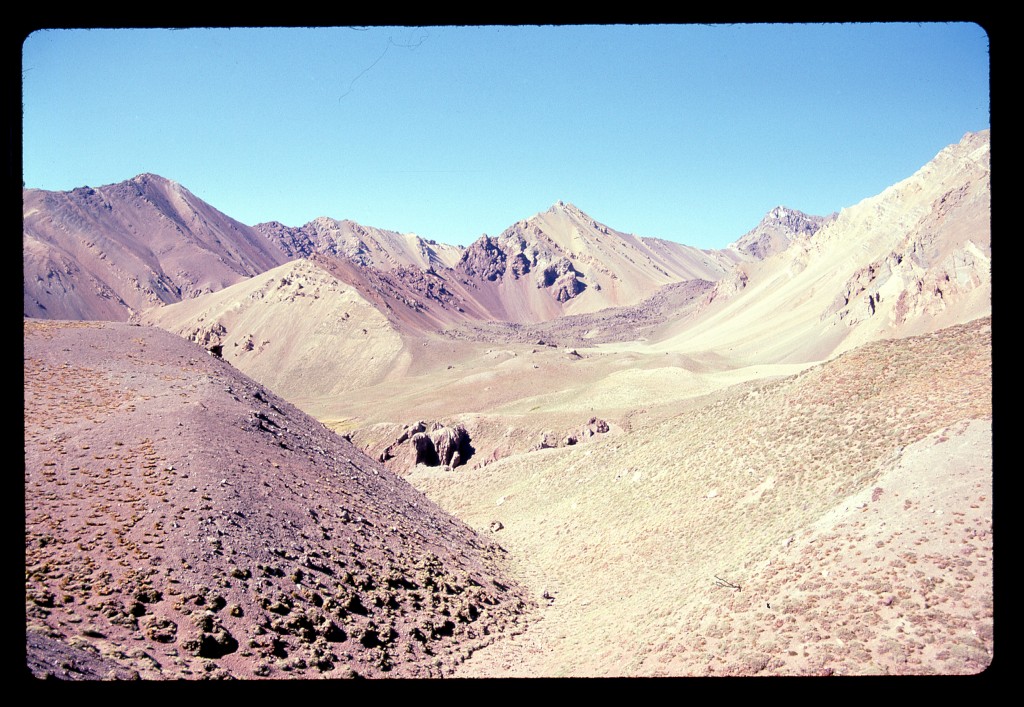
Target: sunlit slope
813	495
295	329
116	250
562	261
915	258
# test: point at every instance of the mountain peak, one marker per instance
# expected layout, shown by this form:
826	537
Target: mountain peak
147	181
565	207
147	177
777	228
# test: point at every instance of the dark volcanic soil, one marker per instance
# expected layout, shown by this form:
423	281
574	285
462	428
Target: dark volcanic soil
181	521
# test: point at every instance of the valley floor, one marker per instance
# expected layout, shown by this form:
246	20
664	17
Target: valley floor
838	521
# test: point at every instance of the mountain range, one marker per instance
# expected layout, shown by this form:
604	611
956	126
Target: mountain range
587	407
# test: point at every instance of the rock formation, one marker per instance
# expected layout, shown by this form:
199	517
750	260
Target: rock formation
433	444
483	259
777	230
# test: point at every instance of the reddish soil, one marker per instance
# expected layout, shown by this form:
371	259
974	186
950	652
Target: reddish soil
181	521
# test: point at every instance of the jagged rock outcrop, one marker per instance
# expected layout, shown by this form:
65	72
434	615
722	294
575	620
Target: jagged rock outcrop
561	279
423	451
295	242
916	286
551	440
364	246
562	260
209	335
484	258
451	445
435	444
943	258
734	282
777	230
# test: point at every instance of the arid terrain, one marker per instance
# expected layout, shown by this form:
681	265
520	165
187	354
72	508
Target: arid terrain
333	450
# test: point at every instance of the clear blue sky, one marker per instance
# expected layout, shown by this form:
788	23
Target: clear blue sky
684	132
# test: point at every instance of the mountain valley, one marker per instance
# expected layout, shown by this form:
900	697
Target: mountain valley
335	450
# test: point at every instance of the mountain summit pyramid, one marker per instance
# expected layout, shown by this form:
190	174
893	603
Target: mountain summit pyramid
114	251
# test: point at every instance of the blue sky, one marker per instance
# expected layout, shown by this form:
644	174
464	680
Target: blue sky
684	132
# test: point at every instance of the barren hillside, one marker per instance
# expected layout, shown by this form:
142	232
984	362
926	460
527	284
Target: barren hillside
835	522
915	258
110	252
295	328
774	459
182	521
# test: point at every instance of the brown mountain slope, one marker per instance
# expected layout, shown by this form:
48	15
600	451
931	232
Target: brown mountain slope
562	261
364	245
113	251
834	522
181	521
416	301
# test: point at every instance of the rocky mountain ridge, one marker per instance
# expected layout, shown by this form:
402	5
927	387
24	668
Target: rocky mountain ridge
912	259
777	230
581	264
113	251
364	245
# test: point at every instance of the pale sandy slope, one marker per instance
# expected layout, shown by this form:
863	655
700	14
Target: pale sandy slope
851	504
294	328
914	258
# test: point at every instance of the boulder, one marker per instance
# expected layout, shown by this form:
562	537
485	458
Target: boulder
451	445
423	451
441	446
